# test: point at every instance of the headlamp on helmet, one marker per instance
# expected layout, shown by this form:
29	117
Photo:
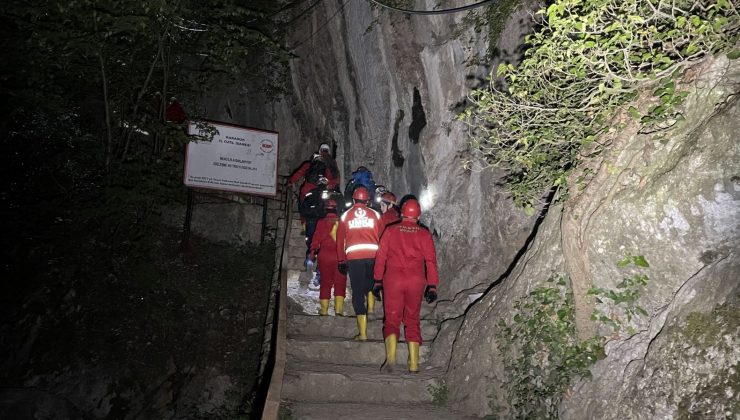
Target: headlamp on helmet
388	198
379	191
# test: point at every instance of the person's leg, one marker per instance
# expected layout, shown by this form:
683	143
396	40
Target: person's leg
367	276
412	297
340	291
393	307
326	285
414	292
356	270
310	229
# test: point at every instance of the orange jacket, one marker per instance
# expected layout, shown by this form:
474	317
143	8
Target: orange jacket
358	233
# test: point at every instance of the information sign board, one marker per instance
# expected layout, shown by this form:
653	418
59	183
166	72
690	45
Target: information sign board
238	159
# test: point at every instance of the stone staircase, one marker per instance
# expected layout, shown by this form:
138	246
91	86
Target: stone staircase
329	375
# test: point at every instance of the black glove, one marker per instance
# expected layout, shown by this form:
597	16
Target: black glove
377	288
342	267
430	294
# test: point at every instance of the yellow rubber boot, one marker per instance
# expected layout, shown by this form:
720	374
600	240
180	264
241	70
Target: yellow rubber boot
370	303
324	309
390	353
339	305
362	327
413	357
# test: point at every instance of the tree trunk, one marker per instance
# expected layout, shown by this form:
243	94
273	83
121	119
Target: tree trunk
106	105
165	101
142	91
577	266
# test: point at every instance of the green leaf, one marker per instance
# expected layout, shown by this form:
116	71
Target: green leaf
624	262
634	112
640	261
733	55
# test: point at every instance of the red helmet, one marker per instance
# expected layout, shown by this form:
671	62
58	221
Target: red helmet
360	193
330	204
388	197
411	209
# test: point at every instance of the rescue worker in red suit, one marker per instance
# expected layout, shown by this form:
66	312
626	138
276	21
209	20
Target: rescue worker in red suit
357	242
388	209
324	244
327	167
405	271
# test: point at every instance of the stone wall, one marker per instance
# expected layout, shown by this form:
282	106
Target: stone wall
673	197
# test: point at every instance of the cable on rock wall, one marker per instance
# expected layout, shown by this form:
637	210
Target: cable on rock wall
434	12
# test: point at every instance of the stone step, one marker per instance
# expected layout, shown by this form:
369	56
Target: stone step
298	241
298	252
295	262
324	382
347	351
306	299
368	411
331	326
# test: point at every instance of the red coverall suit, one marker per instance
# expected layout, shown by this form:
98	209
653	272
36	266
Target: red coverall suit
324	240
406	253
390	216
357	243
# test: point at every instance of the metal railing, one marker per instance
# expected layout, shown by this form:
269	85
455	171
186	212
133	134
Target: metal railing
271	380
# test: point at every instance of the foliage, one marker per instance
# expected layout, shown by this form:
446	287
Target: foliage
90	83
440	393
541	352
540	347
589	59
624	299
116	66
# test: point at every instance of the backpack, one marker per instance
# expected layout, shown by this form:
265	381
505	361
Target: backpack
312	206
317	169
365	178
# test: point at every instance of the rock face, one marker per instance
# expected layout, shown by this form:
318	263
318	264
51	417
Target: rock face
677	202
383	87
386	98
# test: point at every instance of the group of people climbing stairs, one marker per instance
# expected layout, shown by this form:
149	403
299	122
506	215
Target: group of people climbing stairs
390	261
329	374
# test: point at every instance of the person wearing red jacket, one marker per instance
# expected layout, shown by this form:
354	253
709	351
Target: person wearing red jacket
324	244
357	242
405	271
388	209
321	164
